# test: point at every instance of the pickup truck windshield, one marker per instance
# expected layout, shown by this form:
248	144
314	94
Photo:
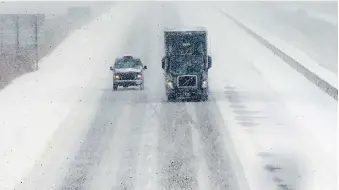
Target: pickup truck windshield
127	64
186	64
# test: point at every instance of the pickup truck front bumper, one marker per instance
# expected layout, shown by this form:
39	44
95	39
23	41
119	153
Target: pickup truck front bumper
127	82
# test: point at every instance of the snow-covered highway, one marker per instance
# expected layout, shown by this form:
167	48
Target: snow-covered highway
264	127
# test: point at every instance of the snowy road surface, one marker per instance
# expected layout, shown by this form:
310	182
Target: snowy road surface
264	126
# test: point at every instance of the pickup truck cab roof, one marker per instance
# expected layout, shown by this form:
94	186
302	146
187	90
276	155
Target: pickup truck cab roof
127	58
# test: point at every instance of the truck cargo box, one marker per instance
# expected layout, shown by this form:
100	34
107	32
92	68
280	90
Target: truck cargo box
178	42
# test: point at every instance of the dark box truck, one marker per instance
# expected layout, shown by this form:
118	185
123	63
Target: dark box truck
186	64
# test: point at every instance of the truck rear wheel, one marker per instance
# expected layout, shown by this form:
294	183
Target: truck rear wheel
204	97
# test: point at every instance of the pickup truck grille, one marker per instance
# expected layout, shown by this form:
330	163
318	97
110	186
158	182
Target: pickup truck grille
187	81
127	76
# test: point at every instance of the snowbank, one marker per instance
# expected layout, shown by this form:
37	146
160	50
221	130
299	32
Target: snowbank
35	104
296	58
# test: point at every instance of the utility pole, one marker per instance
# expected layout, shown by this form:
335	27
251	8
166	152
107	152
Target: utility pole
36	43
17	33
17	45
1	33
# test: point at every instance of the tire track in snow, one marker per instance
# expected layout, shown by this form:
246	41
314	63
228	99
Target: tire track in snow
176	159
92	147
127	171
217	157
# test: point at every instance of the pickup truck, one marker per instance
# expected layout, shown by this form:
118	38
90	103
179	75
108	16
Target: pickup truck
128	71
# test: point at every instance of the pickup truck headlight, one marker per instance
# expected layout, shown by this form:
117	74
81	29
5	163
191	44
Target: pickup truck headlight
204	84
116	76
170	84
139	76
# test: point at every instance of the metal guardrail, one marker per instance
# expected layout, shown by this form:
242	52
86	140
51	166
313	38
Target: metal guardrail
316	80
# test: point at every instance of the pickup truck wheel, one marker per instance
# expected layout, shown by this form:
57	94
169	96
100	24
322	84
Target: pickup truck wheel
142	87
115	87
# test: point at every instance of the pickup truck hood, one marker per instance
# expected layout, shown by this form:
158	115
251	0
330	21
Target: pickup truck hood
128	70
